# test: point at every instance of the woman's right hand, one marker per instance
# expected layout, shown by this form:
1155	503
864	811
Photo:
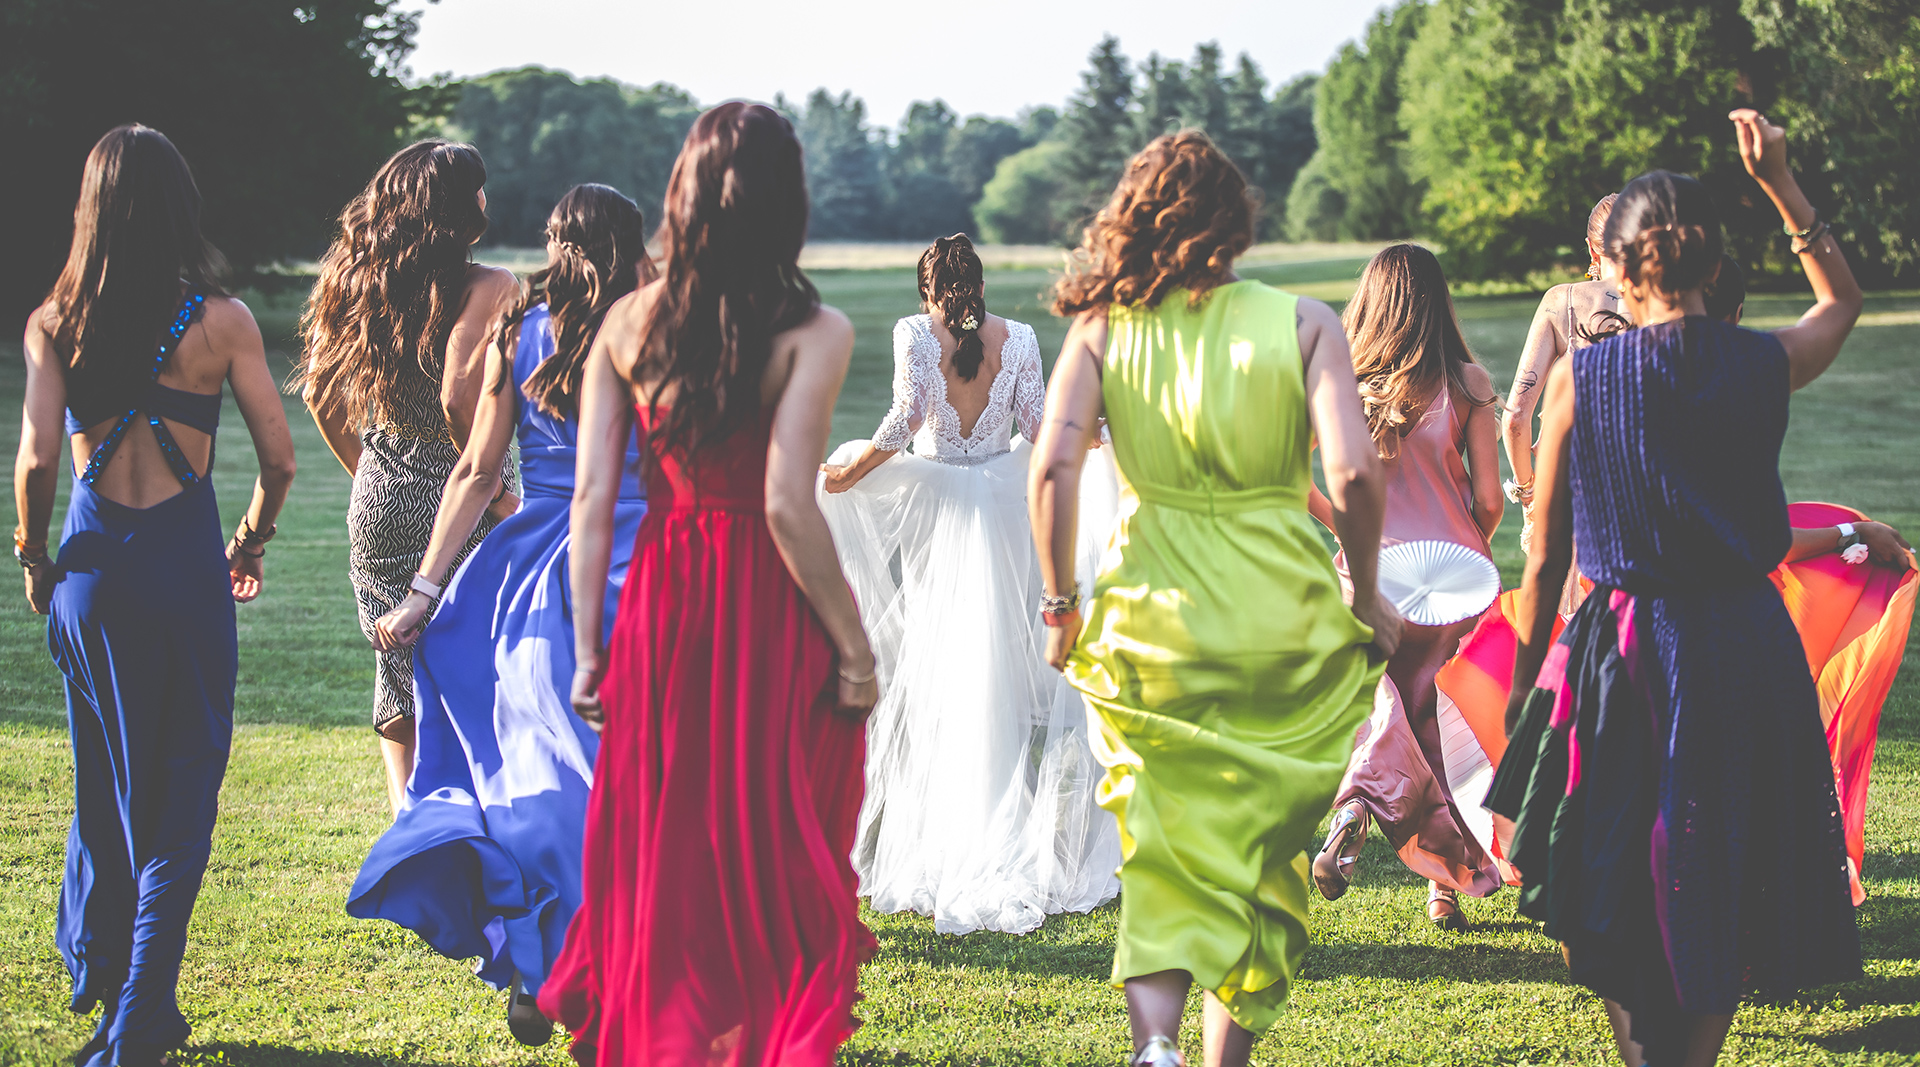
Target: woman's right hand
1763	146
837	479
400	628
1885	545
41	578
586	694
1379	613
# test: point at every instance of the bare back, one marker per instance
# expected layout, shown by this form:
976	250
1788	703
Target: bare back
969	398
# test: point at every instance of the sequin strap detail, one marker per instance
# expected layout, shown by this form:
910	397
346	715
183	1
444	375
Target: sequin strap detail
190	311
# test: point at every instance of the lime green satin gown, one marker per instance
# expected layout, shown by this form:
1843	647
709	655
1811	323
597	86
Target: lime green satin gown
1223	673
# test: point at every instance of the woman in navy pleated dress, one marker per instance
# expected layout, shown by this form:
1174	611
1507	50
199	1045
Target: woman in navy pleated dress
1677	825
125	364
484	856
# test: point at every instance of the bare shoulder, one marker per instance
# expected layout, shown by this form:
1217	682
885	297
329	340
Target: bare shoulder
228	322
1479	380
39	328
1313	319
490	284
1557	297
828	326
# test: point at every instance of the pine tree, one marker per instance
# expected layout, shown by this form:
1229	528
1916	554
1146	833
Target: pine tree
1097	128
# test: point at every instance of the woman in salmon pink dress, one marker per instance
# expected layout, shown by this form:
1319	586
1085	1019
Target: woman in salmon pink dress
718	923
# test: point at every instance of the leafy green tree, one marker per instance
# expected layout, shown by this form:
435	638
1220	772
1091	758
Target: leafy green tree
1165	103
1097	128
977	148
1028	199
1356	120
282	111
1270	138
1207	89
927	201
1851	103
843	168
541	133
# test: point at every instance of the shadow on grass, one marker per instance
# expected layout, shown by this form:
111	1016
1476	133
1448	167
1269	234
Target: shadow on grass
1465	962
1889	926
229	1054
999	952
1898	1034
1874	990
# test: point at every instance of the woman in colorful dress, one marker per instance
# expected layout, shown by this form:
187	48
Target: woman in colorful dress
718	922
141	599
1223	670
491	827
1668	751
980	809
1431	410
395	336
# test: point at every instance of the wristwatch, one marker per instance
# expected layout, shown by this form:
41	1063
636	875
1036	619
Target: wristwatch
1849	537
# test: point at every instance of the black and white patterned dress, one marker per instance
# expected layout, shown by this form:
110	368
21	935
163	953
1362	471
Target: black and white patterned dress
408	454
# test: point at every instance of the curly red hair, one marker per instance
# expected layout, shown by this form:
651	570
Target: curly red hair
1180	215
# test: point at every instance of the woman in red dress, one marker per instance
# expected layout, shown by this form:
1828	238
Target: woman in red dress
718	923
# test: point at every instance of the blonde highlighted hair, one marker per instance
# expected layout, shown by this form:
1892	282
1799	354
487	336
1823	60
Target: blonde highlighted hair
1406	342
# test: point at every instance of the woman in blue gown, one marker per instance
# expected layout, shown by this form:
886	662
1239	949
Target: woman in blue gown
141	598
484	856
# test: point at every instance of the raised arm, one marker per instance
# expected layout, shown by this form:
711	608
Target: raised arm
231	330
36	470
900	423
1070	421
606	424
1543	348
1814	342
801	421
1356	489
489	291
1551	554
1483	452
472	486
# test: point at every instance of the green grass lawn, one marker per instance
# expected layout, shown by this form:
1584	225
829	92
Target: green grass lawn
277	974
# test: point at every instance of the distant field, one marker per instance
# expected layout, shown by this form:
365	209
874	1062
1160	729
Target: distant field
277	975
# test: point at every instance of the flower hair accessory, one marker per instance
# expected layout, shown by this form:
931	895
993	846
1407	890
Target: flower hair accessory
970	324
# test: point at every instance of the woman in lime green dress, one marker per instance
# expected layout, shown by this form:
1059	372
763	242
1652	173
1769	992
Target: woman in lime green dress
1223	673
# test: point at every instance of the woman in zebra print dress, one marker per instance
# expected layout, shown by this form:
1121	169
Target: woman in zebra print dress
395	343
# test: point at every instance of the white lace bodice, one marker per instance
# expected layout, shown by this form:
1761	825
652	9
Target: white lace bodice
922	413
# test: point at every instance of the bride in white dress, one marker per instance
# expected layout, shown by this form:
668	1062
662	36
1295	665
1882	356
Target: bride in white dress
980	784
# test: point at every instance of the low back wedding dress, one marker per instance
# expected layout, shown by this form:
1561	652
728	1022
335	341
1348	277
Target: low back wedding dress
980	804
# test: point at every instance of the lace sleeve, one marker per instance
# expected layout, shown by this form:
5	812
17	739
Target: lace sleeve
1029	389
909	408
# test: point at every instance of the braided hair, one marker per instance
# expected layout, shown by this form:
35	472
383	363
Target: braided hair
950	280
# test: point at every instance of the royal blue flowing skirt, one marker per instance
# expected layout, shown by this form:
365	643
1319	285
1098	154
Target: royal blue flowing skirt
484	860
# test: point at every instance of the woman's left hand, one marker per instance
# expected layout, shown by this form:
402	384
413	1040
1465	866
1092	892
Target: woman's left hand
1884	544
41	578
248	571
500	510
837	479
1062	638
400	627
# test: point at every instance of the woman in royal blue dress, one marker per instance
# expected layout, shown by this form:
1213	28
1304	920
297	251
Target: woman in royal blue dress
1677	828
484	856
141	599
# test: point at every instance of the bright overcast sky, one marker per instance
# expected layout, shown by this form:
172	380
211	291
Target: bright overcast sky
980	56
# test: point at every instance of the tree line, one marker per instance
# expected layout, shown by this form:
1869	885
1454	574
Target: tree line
1486	126
1492	126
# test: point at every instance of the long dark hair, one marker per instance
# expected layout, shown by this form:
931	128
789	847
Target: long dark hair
391	284
598	255
1179	217
736	218
136	237
1406	341
950	280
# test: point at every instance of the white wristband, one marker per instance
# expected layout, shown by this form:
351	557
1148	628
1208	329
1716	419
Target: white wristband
425	588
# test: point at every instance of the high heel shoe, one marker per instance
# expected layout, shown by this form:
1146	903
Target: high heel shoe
524	1020
1443	909
1159	1051
1333	867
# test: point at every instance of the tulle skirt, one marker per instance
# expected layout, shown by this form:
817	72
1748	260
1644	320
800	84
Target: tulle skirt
980	808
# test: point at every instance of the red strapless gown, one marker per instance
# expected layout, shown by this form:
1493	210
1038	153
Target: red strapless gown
718	922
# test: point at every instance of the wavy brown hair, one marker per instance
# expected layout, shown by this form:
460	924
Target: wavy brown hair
1180	215
951	280
736	218
597	253
1406	340
136	237
392	283
1597	231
